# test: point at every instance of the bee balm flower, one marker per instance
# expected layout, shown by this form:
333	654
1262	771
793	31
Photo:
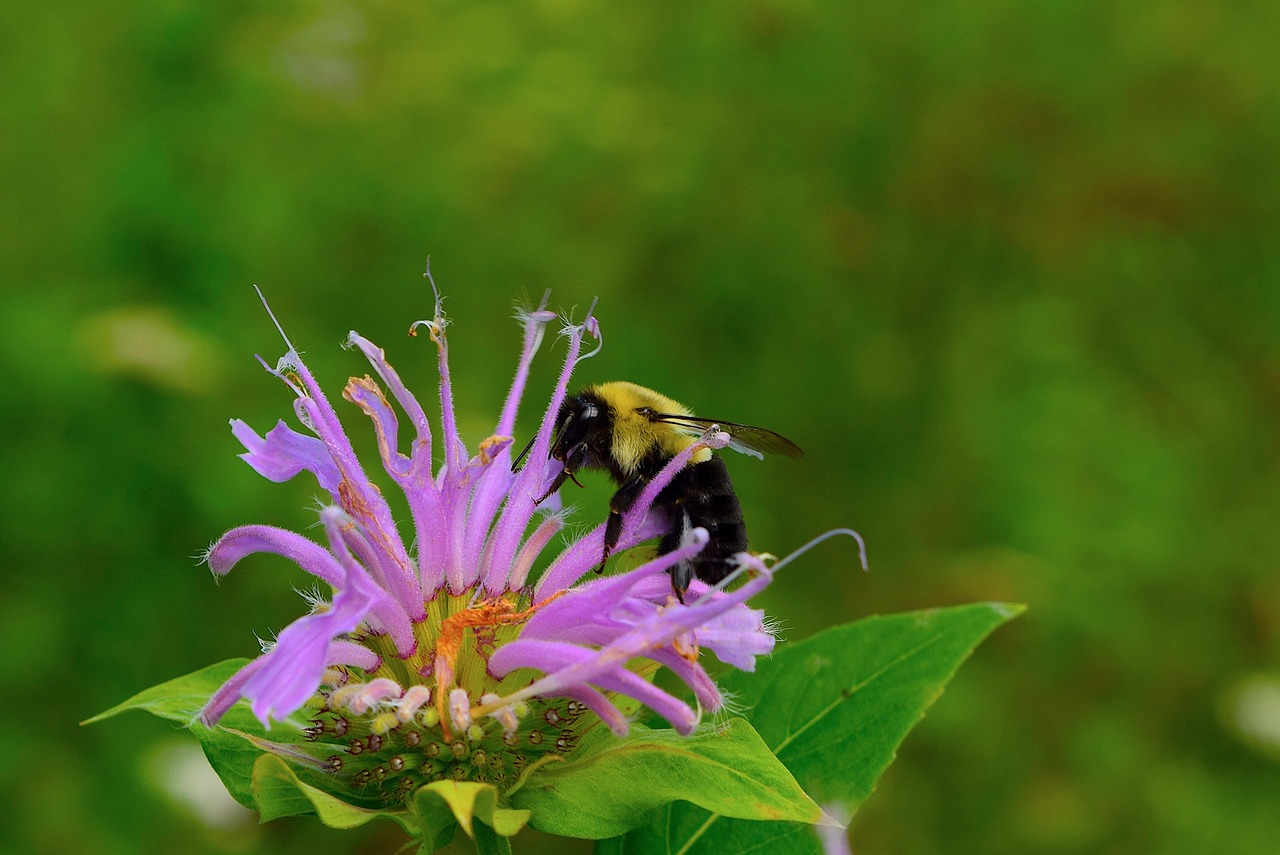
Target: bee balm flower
437	656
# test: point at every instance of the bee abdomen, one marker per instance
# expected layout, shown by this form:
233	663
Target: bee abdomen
702	495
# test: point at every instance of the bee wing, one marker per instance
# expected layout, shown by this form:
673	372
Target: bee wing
745	439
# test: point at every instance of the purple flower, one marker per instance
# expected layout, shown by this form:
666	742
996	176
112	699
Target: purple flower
438	656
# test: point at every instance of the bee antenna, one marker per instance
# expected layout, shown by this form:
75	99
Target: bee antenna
515	464
554	438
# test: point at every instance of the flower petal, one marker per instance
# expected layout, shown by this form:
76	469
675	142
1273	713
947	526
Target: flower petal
569	667
606	603
340	653
412	473
407	400
249	539
736	636
598	704
535	328
520	505
566	664
292	670
353	654
284	452
355	492
228	693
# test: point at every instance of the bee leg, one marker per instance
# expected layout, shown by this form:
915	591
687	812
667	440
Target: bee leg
560	478
612	532
681	576
621	502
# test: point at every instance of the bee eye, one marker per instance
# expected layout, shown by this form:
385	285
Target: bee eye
589	412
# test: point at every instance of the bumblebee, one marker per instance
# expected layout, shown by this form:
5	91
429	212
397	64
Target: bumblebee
632	432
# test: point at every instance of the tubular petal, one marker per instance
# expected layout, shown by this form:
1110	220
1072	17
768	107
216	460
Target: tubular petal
249	539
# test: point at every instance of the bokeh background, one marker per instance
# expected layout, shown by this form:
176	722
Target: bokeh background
1008	271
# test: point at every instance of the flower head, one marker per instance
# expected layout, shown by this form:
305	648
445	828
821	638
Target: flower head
439	656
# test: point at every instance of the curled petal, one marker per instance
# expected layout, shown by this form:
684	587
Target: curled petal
366	395
284	452
406	399
412	472
246	540
292	670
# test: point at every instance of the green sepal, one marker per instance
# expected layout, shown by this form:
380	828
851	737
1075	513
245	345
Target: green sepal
834	708
612	784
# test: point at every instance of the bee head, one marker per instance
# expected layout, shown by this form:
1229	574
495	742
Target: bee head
578	424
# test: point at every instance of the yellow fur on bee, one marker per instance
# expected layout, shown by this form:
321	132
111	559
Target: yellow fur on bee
633	434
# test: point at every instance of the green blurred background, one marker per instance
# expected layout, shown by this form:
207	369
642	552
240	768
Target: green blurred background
1008	271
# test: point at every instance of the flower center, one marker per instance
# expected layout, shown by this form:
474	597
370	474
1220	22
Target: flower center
408	723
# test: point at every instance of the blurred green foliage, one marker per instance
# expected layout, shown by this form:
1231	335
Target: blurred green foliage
1007	271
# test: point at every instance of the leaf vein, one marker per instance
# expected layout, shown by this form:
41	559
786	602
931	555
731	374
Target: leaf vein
842	697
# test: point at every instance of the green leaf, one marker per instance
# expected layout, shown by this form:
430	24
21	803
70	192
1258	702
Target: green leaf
179	699
614	785
834	708
268	784
258	780
231	755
